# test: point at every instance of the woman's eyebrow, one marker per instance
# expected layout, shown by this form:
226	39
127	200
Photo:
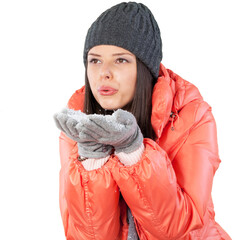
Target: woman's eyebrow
115	54
119	54
94	54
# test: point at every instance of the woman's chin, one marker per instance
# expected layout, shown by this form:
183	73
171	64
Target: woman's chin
106	107
110	106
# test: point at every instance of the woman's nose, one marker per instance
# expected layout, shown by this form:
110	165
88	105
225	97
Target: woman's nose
106	72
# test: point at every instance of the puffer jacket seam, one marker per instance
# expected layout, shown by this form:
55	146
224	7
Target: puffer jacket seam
158	224
87	209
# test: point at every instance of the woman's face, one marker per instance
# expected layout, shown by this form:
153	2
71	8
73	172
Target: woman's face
112	74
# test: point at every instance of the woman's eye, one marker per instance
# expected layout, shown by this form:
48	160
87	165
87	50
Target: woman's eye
94	61
121	60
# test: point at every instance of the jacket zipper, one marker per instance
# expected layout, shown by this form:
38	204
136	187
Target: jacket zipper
172	118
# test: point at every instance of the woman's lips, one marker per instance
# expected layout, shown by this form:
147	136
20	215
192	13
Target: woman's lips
107	91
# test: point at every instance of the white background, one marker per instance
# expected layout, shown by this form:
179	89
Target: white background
41	45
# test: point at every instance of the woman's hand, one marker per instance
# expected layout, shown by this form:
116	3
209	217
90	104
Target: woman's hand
119	130
96	134
75	125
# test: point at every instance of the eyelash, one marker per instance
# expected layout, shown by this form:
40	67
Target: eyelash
94	60
123	59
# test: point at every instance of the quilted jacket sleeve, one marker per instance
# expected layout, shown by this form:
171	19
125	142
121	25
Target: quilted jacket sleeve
89	200
168	200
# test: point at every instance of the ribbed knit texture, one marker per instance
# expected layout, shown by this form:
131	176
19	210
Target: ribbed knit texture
94	163
131	26
129	159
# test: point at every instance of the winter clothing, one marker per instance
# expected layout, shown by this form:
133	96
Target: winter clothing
94	163
127	159
119	130
132	234
131	26
96	134
77	126
168	190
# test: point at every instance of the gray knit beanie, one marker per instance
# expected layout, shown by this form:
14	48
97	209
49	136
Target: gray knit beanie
131	26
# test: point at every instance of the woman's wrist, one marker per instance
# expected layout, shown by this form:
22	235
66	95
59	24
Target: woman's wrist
94	163
129	159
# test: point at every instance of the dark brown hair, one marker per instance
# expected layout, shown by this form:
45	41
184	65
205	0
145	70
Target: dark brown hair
140	106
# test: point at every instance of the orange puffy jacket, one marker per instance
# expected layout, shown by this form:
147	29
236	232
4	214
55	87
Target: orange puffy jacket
168	190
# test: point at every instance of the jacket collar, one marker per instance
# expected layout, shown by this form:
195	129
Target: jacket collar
170	94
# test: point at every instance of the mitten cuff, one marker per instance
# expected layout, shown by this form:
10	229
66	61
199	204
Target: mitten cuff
129	159
94	163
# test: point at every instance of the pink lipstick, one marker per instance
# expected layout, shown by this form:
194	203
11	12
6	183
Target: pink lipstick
107	91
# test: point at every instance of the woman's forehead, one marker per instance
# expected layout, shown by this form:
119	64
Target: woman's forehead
108	50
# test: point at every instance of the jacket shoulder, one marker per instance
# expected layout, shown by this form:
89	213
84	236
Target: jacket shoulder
187	118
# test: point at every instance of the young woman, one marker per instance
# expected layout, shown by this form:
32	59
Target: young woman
138	144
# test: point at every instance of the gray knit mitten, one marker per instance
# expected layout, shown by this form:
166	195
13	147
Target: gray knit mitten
119	130
72	124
